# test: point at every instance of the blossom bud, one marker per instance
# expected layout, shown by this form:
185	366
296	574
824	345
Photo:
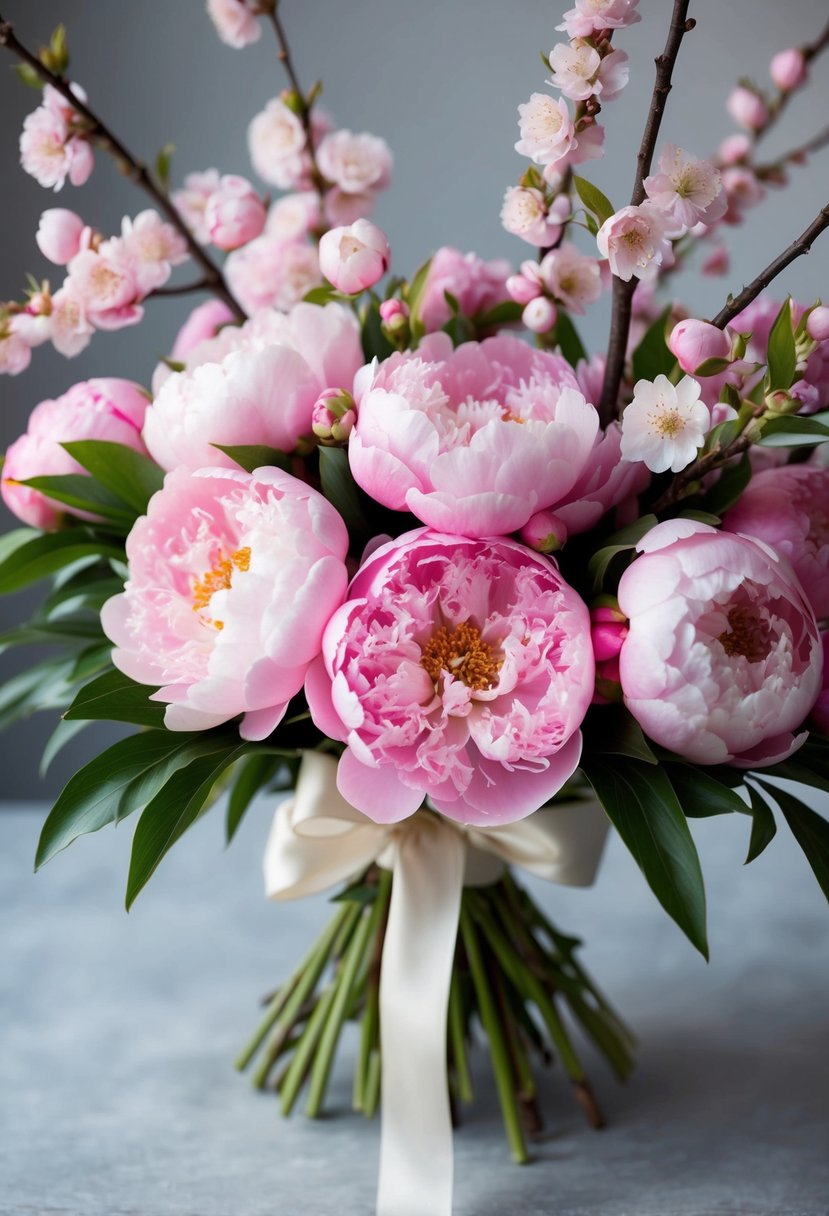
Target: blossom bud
695	342
390	310
747	108
540	315
355	257
522	289
59	235
333	416
607	635
788	69
781	402
817	324
544	532
394	315
234	214
734	149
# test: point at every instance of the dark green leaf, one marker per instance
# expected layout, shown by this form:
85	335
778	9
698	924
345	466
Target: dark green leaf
414	295
782	356
340	489
763	826
792	431
44	554
256	456
712	367
68	628
375	343
505	313
641	803
63	733
596	203
82	493
701	795
651	357
46	685
567	339
612	729
114	697
729	486
254	775
620	542
810	830
129	474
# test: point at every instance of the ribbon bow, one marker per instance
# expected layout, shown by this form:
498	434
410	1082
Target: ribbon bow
318	840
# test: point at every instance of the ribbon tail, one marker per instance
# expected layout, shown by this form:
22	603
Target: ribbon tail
416	1165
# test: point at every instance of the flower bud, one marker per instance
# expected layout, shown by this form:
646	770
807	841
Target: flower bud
817	324
733	149
747	108
522	289
788	69
394	315
355	257
540	315
59	235
695	342
234	214
333	416
544	532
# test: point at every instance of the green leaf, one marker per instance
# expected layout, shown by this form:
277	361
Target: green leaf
15	540
253	776
113	697
256	456
44	554
133	477
810	830
375	343
763	826
163	163
174	808
729	486
46	685
792	431
567	339
414	295
620	542
63	734
596	203
340	489
651	357
82	493
641	803
782	355
613	729
712	367
323	295
701	795
505	313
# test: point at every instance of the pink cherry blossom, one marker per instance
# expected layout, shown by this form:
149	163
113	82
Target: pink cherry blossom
665	424
788	508
235	22
105	287
590	16
356	163
747	108
150	247
590	146
742	190
539	316
355	257
341	208
233	578
716	262
723	660
478	286
277	146
458	670
547	132
59	235
526	214
192	199
270	273
293	216
15	352
817	324
253	384
694	342
107	409
474	440
235	214
69	329
571	278
522	288
686	188
788	69
635	241
49	151
581	72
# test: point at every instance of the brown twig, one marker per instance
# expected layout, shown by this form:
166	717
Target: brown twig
285	58
133	168
810	51
622	291
795	156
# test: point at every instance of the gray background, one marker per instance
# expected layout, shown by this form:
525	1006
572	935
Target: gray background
440	80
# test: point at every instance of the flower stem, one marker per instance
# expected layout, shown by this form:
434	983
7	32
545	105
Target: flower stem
457	1042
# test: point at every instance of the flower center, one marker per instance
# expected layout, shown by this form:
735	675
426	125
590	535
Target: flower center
219	578
748	635
669	423
464	654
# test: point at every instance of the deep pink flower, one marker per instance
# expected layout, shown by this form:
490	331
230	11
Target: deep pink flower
819	718
477	286
723	660
457	669
233	578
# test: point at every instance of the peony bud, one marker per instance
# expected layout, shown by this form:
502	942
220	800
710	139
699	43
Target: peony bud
59	235
695	342
234	214
540	315
544	532
522	289
333	416
390	310
355	257
817	324
747	108
788	69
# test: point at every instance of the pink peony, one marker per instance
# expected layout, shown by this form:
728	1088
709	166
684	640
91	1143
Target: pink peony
59	235
356	164
233	578
460	670
270	273
254	384
819	718
355	257
635	241
95	409
686	188
474	440
235	22
192	199
788	508
204	323
606	481
235	214
723	660
590	16
477	286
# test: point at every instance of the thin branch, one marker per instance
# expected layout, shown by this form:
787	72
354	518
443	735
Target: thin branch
622	291
133	168
284	55
795	156
182	289
810	51
797	248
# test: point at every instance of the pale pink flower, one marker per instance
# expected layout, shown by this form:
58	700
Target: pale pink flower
150	247
458	670
475	440
203	324
522	288
191	201
590	16
545	532
547	132
277	146
253	384
105	288
107	409
571	278
606	481
817	324
293	216
341	208
687	188
233	578
635	241
747	108
788	508
69	330
478	286
540	315
788	69
355	257
525	214
723	660
47	149
59	235
235	214
235	22
269	273
734	148
356	163
665	424
581	72
694	342
717	261
15	353
590	146
742	189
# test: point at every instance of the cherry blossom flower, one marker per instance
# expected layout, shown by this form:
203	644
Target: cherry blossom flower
687	188
581	72
747	108
191	201
235	22
694	342
70	330
59	235
235	214
788	69
277	146
105	288
635	241
357	164
49	150
589	16
15	353
571	278
269	273
665	424
293	216
525	214
150	247
547	132
457	669
539	315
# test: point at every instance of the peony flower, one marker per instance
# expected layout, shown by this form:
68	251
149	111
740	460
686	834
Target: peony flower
191	201
819	717
665	424
590	16
235	214
547	132
356	164
788	509
474	440
204	323
686	188
233	578
150	247
277	146
635	241
581	72
747	108
269	273
457	669
695	342
478	286
107	409
355	257
788	69
525	214
253	384
723	660
606	481
59	235
235	22
574	280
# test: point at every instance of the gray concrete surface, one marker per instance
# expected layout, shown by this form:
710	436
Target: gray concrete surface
117	1095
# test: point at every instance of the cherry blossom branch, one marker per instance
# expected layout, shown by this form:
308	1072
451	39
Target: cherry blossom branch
809	52
183	289
623	291
795	156
798	247
133	168
284	55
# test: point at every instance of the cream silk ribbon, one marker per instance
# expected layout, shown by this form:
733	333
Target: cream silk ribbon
318	840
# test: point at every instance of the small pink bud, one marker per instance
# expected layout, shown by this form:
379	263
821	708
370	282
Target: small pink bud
747	108
522	289
544	532
608	639
390	310
788	69
59	235
734	149
333	416
817	324
694	342
355	257
234	214
539	316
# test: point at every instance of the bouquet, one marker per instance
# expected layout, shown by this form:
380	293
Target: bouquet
403	550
